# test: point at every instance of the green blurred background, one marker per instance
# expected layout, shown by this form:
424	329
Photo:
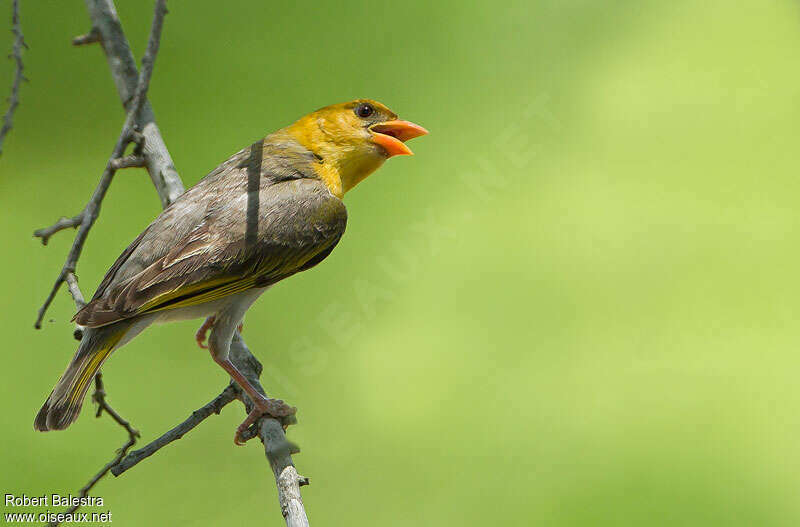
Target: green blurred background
575	306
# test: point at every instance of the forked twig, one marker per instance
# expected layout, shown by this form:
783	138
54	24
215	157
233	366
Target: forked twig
16	55
140	128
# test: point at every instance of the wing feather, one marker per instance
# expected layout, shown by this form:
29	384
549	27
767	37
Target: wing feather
297	224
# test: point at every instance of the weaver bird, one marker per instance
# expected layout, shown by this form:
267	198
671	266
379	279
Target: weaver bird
272	210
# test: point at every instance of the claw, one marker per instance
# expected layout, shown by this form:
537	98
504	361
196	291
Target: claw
273	407
238	440
200	336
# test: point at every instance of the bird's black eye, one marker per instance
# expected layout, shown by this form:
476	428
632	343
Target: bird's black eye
364	110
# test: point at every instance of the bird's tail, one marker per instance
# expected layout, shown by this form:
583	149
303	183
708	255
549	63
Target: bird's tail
64	403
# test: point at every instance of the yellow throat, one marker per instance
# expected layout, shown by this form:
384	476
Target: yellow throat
344	160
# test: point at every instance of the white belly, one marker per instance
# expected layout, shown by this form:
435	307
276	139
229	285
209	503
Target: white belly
209	308
235	305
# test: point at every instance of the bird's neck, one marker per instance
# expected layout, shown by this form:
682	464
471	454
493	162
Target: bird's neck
343	170
341	165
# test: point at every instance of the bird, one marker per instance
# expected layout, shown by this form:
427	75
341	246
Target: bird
271	210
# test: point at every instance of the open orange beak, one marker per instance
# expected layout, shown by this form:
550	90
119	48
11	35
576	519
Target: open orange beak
391	135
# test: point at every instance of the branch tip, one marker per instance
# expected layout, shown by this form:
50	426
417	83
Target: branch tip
62	223
92	37
127	162
16	55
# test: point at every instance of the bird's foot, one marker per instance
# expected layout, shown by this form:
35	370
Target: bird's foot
200	336
265	406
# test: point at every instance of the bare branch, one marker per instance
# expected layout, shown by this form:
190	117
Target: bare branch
123	71
276	447
74	290
169	186
87	218
92	209
128	162
99	397
91	37
138	138
16	54
214	407
289	483
62	223
102	405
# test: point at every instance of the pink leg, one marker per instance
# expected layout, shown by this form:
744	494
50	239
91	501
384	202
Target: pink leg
261	405
200	336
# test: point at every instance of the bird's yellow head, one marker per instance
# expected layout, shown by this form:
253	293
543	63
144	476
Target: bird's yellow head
352	140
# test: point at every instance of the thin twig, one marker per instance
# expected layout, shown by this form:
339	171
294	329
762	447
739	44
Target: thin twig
62	223
214	407
128	162
169	186
92	209
16	54
77	297
74	290
102	406
99	397
277	448
91	37
124	73
88	216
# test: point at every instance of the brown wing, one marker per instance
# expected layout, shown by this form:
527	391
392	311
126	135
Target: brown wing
243	240
173	224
